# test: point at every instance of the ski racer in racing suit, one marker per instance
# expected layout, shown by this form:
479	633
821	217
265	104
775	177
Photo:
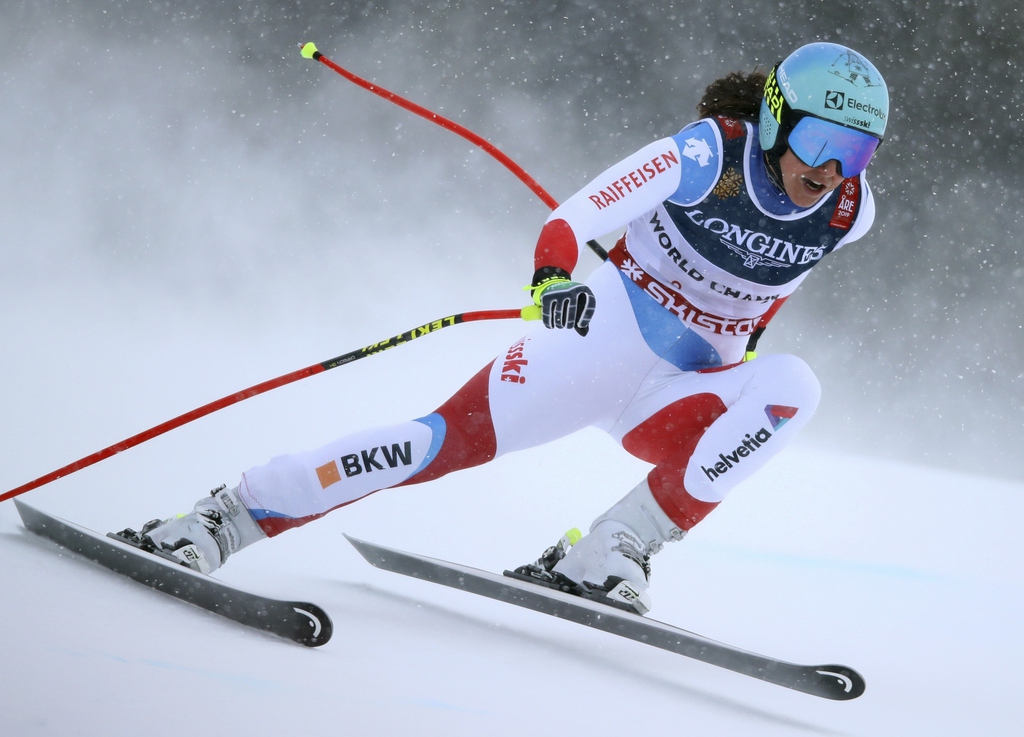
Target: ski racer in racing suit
723	221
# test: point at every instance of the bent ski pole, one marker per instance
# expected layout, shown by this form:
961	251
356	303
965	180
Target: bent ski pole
527	313
309	51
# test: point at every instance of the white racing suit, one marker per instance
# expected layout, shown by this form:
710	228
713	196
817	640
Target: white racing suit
710	251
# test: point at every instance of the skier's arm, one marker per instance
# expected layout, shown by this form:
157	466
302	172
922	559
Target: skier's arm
621	193
682	167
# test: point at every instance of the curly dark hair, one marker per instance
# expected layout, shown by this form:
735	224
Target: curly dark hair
736	95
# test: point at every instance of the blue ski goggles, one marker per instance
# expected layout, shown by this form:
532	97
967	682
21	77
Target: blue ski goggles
816	141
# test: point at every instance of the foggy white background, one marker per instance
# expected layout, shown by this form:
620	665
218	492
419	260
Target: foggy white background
183	166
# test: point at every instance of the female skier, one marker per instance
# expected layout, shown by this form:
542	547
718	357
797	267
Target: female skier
722	223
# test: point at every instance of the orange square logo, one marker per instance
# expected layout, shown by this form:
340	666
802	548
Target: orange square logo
328	474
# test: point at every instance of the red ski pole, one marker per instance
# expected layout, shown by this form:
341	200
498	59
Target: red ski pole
309	51
526	313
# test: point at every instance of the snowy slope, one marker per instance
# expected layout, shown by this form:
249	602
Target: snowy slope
829	559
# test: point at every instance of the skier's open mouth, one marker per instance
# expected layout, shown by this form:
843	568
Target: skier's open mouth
815	187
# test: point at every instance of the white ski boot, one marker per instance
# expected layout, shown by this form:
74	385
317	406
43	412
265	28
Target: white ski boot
612	563
217	527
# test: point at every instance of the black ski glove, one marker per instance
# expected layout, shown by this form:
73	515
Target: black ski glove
563	302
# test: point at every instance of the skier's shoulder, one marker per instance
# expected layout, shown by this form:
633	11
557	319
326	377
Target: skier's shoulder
701	148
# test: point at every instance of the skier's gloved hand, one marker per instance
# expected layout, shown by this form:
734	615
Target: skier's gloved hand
563	302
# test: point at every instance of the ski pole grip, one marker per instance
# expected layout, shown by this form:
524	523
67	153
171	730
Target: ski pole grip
531	312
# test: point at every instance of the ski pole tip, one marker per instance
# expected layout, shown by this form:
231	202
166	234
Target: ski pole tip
309	50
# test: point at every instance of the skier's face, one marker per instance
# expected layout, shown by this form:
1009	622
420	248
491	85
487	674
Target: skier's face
804	184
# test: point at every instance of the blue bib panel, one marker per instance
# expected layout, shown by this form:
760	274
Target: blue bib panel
739	234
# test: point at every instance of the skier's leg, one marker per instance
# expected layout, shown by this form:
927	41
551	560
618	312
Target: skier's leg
710	431
725	427
294	489
547	385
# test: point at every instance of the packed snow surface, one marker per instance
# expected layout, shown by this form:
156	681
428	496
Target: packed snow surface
826	558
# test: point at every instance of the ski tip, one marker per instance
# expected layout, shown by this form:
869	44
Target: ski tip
308	50
837	682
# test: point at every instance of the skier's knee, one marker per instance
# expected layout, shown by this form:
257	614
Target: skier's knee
791	380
